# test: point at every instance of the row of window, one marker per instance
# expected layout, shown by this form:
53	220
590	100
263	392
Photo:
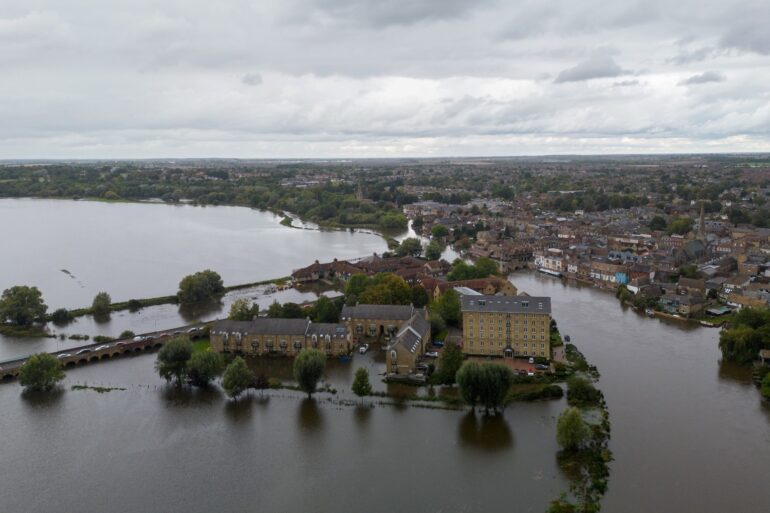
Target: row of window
471	343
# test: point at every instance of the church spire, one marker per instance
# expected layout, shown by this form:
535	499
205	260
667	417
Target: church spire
701	225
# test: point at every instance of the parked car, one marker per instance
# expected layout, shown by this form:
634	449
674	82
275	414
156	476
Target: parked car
422	366
164	335
63	355
100	348
432	354
438	343
177	332
530	372
542	366
193	330
364	348
84	351
522	372
531	360
139	338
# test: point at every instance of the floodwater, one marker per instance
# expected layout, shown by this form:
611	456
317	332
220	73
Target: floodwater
71	250
153	448
688	433
139	250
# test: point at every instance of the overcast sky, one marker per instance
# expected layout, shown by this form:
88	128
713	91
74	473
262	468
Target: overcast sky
372	78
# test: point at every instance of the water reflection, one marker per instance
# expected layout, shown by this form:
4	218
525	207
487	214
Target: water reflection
310	417
239	410
191	313
362	414
486	432
42	399
186	397
735	372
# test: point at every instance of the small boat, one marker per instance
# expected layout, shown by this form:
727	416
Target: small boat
549	272
566	338
650	312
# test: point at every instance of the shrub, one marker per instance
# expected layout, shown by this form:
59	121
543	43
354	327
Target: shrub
61	316
571	430
580	392
101	304
41	372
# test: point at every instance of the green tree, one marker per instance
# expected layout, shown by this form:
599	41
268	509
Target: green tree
237	377
386	289
689	271
433	250
496	381
766	386
355	286
293	311
61	316
409	247
309	367
361	386
658	223
41	371
242	310
448	307
204	367
449	363
199	287
439	230
173	358
581	392
571	430
101	304
22	305
679	226
275	310
469	379
325	310
393	220
127	334
420	296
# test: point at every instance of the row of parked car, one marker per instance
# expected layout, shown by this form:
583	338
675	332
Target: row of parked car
137	338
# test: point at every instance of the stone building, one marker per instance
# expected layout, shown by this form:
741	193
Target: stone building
506	326
281	337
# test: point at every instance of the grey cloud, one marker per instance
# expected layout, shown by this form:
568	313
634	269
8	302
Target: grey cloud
703	78
688	57
432	76
252	79
752	36
385	13
598	66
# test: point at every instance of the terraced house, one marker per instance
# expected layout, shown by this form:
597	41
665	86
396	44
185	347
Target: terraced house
264	336
506	326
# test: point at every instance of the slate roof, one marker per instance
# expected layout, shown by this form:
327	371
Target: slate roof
502	304
264	326
327	328
394	312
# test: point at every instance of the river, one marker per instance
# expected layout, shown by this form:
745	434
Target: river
688	433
